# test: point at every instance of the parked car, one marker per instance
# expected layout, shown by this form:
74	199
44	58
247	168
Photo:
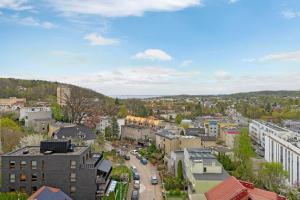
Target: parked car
138	156
136	185
127	157
133	169
154	180
134	152
136	176
135	195
144	161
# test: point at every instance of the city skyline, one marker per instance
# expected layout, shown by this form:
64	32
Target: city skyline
162	48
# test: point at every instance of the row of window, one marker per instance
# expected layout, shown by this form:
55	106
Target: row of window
33	164
34	177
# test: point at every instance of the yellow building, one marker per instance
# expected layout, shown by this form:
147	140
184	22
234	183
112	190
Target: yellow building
149	122
228	133
11	101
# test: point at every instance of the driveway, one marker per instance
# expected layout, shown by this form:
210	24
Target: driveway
147	190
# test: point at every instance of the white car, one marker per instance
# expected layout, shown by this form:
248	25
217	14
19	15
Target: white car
134	152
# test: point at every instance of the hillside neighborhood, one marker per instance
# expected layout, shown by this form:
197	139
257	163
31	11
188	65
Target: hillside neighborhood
194	153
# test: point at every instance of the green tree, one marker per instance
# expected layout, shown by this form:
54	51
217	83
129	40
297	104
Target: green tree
57	112
180	170
108	132
123	112
115	127
13	196
243	152
178	119
272	175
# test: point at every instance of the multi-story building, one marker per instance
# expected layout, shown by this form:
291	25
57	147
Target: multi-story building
228	133
134	132
37	118
63	93
211	127
292	125
103	123
78	172
202	170
149	122
280	145
11	104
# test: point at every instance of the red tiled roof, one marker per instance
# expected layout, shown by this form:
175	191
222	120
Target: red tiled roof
233	189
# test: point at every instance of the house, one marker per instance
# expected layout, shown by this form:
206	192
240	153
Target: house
74	169
47	193
104	122
231	188
37	118
202	171
76	134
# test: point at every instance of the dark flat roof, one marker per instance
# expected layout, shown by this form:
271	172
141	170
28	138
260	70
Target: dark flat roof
212	176
105	166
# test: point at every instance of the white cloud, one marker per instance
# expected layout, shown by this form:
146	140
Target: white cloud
232	1
27	21
286	56
153	54
186	63
222	75
120	8
290	14
15	4
248	60
30	21
97	39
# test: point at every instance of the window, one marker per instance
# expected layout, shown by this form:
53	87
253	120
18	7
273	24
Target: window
34	164
12	164
33	177
12	189
43	177
34	189
12	178
204	169
43	164
23	189
73	189
73	177
22	164
22	177
73	164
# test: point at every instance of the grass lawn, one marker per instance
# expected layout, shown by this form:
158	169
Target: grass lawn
121	191
177	197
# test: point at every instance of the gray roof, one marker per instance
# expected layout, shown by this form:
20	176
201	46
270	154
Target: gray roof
200	154
208	138
105	166
74	132
212	176
47	193
195	131
167	134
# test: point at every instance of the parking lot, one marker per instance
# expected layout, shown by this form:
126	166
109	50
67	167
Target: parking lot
147	190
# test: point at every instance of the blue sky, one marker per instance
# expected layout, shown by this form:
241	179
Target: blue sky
153	47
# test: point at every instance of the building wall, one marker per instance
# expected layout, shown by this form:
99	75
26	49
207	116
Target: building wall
63	92
136	133
56	171
189	142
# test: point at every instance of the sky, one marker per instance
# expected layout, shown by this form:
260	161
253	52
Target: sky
153	47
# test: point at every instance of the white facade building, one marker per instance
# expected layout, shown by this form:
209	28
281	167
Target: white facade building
103	123
281	145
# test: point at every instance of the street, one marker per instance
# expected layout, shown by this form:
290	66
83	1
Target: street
147	190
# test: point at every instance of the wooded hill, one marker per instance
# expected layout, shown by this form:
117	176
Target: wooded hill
38	90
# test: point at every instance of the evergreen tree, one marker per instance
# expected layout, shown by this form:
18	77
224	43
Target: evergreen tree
180	170
115	127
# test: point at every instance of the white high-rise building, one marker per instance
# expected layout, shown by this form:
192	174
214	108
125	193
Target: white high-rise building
281	145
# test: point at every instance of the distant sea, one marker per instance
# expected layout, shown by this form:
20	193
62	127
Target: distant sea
134	96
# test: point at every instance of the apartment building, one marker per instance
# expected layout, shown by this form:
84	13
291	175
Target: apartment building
63	93
280	145
77	171
37	118
104	122
202	170
149	122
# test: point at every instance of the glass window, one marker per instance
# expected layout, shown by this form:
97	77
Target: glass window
34	164
43	177
73	177
22	177
12	164
73	189
73	164
23	164
34	189
33	177
12	189
12	178
23	189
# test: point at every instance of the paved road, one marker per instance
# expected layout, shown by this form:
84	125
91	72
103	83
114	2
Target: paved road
147	190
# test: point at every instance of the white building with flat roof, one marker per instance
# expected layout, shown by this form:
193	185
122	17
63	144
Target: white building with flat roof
281	145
